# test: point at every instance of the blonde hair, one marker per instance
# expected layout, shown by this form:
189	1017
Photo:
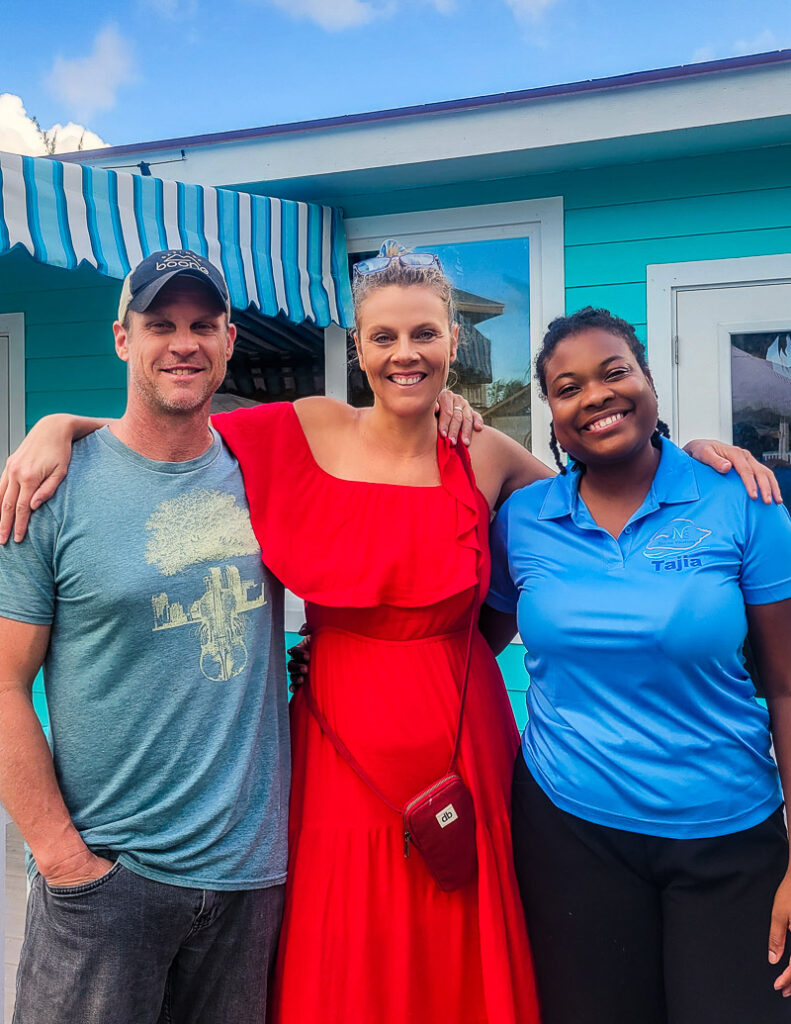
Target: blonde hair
397	273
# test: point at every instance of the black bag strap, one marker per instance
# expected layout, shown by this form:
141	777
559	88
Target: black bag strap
338	743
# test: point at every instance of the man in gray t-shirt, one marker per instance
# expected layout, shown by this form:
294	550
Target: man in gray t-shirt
157	820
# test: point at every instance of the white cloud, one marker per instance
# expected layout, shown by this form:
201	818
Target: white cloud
173	10
336	15
19	132
762	42
529	10
89	84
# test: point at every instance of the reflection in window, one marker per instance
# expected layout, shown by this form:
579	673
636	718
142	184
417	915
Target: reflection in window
492	369
273	360
761	396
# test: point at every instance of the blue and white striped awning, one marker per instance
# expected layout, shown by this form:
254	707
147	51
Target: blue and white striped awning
278	255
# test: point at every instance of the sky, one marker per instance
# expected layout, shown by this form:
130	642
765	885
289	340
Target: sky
151	69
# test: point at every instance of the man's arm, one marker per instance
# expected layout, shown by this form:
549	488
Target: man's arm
28	787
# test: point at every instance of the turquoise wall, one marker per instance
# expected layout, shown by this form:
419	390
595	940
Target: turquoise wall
70	363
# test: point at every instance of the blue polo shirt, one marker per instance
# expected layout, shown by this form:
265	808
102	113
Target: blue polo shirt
641	714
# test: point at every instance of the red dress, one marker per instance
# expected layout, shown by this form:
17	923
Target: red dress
388	572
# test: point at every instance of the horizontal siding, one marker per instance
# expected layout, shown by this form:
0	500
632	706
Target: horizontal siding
80	403
82	338
701	215
21	273
70	365
76	306
627	299
625	262
76	373
722	173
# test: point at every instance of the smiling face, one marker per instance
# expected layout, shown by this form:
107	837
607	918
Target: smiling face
604	407
405	345
177	349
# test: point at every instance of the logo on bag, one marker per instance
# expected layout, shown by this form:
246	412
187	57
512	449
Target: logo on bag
446	816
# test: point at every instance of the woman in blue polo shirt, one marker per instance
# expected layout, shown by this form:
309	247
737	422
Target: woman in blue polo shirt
648	829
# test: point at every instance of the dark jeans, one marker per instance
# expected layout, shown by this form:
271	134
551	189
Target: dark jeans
635	929
127	950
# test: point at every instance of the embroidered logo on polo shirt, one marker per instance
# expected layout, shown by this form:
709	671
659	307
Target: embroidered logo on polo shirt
668	547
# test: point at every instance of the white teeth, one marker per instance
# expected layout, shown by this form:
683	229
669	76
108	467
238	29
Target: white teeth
182	373
407	381
605	422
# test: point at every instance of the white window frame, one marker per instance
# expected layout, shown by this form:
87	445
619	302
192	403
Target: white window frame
539	220
12	326
665	280
335	373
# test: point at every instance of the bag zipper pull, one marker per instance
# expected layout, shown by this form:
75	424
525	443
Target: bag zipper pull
406	843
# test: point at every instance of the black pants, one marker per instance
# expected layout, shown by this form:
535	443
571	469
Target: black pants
634	929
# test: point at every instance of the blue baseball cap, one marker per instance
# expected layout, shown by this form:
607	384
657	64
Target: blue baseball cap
144	283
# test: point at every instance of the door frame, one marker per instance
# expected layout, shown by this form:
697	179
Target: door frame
539	220
665	280
12	325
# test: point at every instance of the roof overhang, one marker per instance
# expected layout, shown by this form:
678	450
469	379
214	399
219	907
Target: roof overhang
737	103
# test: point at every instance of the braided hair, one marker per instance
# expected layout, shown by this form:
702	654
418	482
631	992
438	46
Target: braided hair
566	326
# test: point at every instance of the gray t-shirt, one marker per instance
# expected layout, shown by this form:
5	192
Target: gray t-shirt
165	676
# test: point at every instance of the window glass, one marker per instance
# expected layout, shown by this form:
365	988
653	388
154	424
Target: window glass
761	399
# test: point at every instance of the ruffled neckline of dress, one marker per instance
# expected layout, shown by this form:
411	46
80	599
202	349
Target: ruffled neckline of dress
356	543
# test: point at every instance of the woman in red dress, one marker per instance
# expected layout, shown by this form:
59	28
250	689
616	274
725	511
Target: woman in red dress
382	532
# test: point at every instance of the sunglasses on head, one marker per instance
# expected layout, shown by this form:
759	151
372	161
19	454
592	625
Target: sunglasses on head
376	264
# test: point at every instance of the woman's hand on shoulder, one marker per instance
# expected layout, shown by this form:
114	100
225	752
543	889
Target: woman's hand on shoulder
756	477
502	465
456	418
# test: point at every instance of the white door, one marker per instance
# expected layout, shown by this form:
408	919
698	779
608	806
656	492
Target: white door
12	382
5	405
733	373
